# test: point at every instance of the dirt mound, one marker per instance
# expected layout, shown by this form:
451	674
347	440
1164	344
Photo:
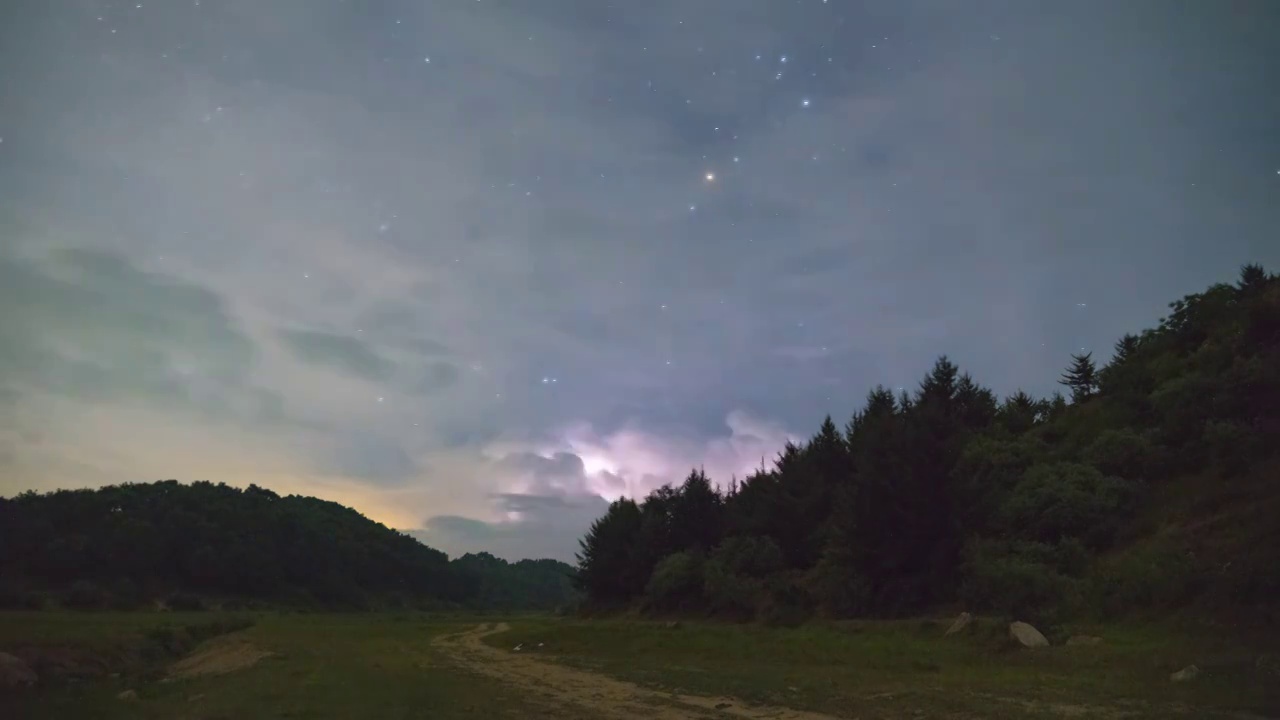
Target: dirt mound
218	657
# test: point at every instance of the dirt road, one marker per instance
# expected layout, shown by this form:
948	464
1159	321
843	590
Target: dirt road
597	696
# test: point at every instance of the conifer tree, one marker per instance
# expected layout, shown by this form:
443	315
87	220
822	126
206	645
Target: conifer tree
1081	377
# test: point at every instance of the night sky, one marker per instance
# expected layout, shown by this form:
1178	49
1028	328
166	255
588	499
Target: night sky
475	267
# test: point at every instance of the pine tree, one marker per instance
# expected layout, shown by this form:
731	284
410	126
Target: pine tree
606	566
1081	377
1126	347
1252	278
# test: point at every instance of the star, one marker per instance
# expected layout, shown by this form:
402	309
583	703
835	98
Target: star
804	103
711	177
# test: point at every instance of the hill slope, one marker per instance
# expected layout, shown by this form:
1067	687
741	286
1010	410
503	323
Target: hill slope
128	544
1154	487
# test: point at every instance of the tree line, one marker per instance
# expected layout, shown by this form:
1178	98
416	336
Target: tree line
131	545
1042	507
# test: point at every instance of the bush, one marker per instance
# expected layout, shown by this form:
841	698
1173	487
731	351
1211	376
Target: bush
733	575
1155	575
1233	446
1067	500
839	591
15	595
185	602
84	595
730	596
749	556
1018	587
1122	453
125	595
786	604
676	583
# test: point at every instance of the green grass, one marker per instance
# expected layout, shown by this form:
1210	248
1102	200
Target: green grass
328	666
384	666
901	668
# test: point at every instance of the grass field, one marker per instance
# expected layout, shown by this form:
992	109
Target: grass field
411	666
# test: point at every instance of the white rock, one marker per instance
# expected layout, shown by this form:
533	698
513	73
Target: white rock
960	624
1187	673
1027	635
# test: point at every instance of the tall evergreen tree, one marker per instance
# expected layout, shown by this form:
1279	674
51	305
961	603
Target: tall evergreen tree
1081	377
607	569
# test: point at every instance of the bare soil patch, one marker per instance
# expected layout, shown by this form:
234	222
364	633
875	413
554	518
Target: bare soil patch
601	696
218	657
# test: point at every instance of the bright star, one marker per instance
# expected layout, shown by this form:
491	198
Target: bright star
711	177
804	103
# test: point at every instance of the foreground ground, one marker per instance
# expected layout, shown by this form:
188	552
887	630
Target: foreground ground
410	666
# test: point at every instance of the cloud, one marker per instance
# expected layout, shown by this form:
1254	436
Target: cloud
88	325
369	456
546	494
342	352
540	526
444	235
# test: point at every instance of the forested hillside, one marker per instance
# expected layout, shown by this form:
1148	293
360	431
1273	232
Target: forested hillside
130	545
1150	486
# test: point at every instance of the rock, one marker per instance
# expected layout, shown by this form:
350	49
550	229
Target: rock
129	695
14	672
673	625
1187	673
1026	635
960	624
1084	640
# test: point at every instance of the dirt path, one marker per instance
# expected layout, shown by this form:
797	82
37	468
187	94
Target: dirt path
601	696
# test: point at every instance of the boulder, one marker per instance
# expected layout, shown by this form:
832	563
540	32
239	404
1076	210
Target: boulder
14	671
1026	635
129	695
1185	674
673	625
960	624
1084	640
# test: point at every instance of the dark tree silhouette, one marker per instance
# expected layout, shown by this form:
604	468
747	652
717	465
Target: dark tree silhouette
1081	377
947	493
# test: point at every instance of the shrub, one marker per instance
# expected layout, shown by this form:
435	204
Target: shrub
1122	453
838	591
84	595
1158	574
676	583
1234	446
749	556
733	575
1067	500
1019	587
786	603
185	602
